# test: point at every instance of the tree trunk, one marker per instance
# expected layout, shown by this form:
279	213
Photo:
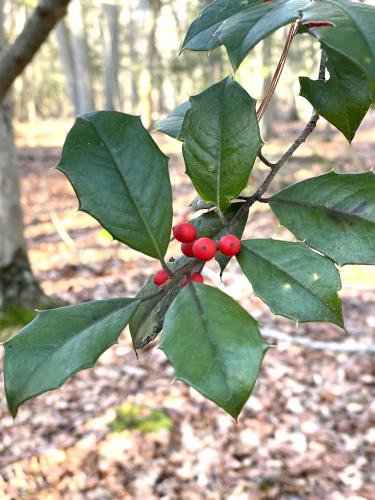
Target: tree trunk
111	57
82	66
133	58
66	56
154	63
18	286
17	283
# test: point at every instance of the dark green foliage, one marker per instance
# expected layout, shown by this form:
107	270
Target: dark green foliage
345	99
58	343
214	345
221	142
293	280
121	178
334	214
240	25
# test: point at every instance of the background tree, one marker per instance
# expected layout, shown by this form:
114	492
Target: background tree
111	56
82	65
17	283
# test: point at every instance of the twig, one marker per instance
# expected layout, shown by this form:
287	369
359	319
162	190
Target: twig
265	161
276	77
69	242
175	276
347	346
309	128
165	267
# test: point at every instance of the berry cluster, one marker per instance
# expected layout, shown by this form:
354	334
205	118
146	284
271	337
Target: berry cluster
203	249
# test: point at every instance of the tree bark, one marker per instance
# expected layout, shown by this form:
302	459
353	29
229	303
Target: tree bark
66	56
86	102
133	58
112	98
154	63
14	60
17	282
11	226
18	286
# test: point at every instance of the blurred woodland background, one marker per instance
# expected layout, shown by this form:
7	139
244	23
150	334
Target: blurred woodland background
124	56
122	430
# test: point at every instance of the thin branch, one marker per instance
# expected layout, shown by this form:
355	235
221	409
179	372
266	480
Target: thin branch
166	267
309	128
14	59
275	170
265	161
174	278
348	346
276	77
293	148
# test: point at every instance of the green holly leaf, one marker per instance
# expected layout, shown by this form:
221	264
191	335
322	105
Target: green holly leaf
145	325
239	25
211	226
121	178
198	204
214	346
58	343
292	280
172	124
352	34
334	213
344	99
221	141
147	321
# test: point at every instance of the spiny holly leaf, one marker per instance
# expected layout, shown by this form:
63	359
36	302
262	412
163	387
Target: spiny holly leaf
293	280
58	343
221	141
352	33
334	213
152	322
214	345
172	124
210	225
198	204
121	178
141	329
147	321
344	99
240	24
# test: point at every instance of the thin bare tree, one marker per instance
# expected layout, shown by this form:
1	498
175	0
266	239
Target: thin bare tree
17	283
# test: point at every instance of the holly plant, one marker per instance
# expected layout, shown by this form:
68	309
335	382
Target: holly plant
121	178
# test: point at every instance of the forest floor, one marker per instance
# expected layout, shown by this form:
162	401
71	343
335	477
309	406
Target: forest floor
125	430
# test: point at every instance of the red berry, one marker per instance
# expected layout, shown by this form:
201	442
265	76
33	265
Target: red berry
161	277
184	232
204	249
229	245
187	248
195	277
